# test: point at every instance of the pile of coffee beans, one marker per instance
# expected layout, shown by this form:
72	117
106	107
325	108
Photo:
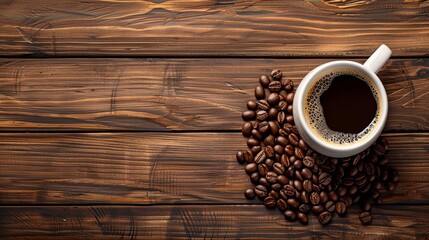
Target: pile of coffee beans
290	176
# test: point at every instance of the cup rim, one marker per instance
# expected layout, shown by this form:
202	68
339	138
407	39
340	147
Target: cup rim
321	145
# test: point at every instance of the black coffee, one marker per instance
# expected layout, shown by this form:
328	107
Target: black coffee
348	104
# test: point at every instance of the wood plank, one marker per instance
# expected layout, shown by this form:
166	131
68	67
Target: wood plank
215	28
155	168
203	221
171	94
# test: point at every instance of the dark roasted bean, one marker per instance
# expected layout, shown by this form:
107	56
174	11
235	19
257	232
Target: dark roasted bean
299	153
325	218
303	218
254	177
308	186
273	99
285	160
340	208
270	202
290	215
251	168
287	84
259	92
365	218
263	181
318	209
252	105
282	141
248	115
264	80
281	204
263	105
366	205
262	115
275	86
240	158
289	97
263	127
305	197
274	127
246	129
260	157
256	134
314	198
306	173
276	186
282	179
270	140
269	151
271	177
352	190
276	74
330	206
325	179
248	156
293	203
261	191
293	139
263	169
251	142
304	208
308	161
298	185
323	197
289	149
278	168
249	193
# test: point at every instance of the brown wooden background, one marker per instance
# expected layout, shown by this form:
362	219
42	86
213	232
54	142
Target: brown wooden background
120	119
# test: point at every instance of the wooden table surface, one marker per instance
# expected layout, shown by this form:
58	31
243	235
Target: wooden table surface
121	119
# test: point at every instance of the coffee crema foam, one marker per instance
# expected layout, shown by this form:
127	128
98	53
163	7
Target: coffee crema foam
314	110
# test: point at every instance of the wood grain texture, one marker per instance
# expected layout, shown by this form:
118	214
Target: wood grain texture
155	168
203	221
171	94
221	27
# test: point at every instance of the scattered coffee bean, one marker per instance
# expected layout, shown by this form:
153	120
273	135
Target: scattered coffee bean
308	161
276	187
306	173
261	191
275	86
289	97
277	74
251	168
248	115
263	181
260	157
247	129
365	218
303	218
262	115
293	203
299	153
314	198
270	202
290	215
281	204
317	209
248	156
273	99
254	177
240	157
325	218
340	208
330	206
325	179
256	149
272	113
249	193
293	139
263	169
264	80
251	142
259	92
324	197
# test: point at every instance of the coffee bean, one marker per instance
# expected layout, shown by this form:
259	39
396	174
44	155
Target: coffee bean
288	128
325	179
282	179
308	186
314	198
340	208
289	149
272	113
252	105
263	105
256	134
366	205
254	177
246	129
289	97
304	197
297	164
276	74
251	168
264	128
269	162
273	194
293	139
356	160
330	206
276	187
260	157
289	190
360	166
304	208
256	149
374	193
282	106
262	115
324	197
365	218
298	185
281	117
306	173
261	191
278	168
263	169
352	171
316	188
352	190
379	149
289	119
285	160
275	87
318	209
292	203
269	151
251	142
282	140
348	181
302	145
287	84
264	80
248	115
270	141
271	177
274	127
270	202
249	193
273	99
325	218
290	215
308	161
299	153
303	218
259	92
248	156
360	179
281	205
347	200
263	181
240	158
356	198
290	109
315	178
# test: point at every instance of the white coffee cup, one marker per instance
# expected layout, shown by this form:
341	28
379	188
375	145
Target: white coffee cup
368	69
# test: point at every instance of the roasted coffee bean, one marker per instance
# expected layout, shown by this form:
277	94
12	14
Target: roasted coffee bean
273	99
366	205
365	218
255	124
262	115
289	150
281	204
248	115
352	190
348	181
289	190
289	119
316	188
315	178
276	187
249	193
263	105
252	105
297	164
304	208
285	160
293	139
251	168
308	186
270	202
292	203
360	179
269	151
261	191
356	198
272	113
274	127
282	140
308	161
254	177
360	166
264	80
325	179
240	158
330	206
314	198
290	109
282	179
302	145
278	168
275	86
306	173
347	200
263	181
246	129
303	218
298	185
259	92
256	134
251	142
256	149
281	117
260	157
276	74
273	194
299	153
352	171
325	217
288	128
305	197
270	140
289	97
287	84
263	127
324	197
379	149
263	169
356	160
271	177
248	156
369	168
318	209
282	106
290	215
340	208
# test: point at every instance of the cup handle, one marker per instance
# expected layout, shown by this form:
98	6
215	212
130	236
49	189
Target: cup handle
376	61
